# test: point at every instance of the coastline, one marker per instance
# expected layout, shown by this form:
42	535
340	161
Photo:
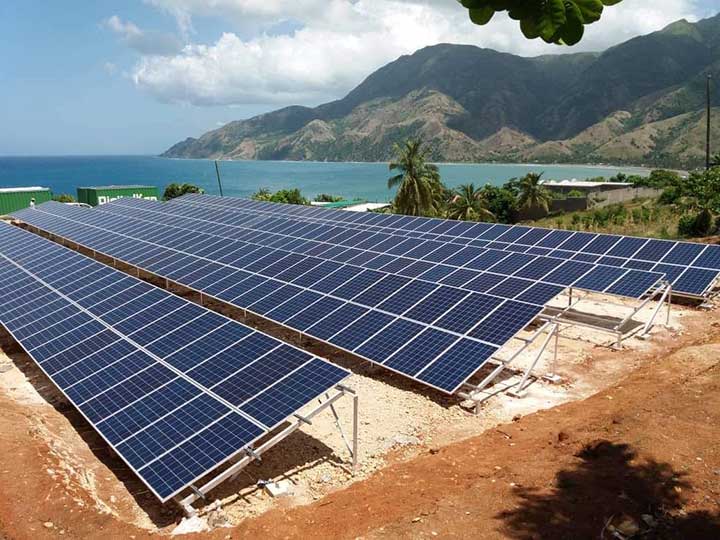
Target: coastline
643	168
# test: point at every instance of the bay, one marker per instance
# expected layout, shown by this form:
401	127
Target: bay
242	178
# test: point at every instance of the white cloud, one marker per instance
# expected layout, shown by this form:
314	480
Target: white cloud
339	43
146	43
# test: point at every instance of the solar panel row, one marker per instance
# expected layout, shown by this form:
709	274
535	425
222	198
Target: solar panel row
382	319
501	273
691	267
174	388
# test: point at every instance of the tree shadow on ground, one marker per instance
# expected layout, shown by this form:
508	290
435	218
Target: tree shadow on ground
610	494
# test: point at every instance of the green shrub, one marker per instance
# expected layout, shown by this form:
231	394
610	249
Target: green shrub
178	190
575	194
700	224
671	195
324	197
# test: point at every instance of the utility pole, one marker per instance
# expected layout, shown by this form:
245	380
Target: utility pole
217	172
707	134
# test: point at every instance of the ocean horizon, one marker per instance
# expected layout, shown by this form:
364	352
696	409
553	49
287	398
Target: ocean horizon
364	180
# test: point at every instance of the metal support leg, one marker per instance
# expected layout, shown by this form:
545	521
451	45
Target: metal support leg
570	298
356	423
648	326
552	376
519	390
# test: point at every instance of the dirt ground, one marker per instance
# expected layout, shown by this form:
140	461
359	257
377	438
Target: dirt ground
628	442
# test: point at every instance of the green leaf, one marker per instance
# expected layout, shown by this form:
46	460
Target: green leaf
474	4
591	10
482	15
529	28
573	30
551	19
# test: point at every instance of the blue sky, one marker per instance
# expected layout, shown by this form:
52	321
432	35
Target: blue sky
134	77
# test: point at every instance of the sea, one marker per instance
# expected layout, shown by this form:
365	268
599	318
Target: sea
242	178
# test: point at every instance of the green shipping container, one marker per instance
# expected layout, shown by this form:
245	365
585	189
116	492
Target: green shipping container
97	195
13	199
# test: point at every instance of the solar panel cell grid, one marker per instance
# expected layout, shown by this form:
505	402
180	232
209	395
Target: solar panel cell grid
116	375
457	364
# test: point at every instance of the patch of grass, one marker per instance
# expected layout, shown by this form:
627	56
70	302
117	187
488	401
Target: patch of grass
635	218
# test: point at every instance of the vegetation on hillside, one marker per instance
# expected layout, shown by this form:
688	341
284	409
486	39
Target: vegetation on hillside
687	207
476	105
178	190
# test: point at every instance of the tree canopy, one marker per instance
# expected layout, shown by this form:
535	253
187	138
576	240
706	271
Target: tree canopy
419	189
178	190
468	203
532	193
554	21
287	196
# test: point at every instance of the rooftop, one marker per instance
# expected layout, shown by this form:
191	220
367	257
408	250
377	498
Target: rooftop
23	189
583	184
114	186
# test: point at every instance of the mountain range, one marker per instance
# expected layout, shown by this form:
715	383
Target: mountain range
641	102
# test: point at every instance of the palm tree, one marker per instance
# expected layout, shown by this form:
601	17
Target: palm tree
419	190
533	194
468	203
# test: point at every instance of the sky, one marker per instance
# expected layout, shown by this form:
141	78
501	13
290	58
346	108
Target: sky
99	77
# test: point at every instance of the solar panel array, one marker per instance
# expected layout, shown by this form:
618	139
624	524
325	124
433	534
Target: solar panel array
314	296
174	388
692	268
536	279
437	324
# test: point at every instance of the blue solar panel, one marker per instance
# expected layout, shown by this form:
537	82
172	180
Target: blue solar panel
484	282
361	330
695	280
336	321
464	315
134	361
420	351
511	287
389	340
600	279
505	322
381	290
410	295
436	304
635	283
709	258
568	272
540	293
512	264
683	253
457	364
313	313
